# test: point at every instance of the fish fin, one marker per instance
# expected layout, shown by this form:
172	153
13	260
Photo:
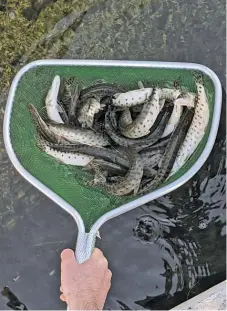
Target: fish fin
140	85
115	96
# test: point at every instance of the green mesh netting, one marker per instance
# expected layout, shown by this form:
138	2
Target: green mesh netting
68	181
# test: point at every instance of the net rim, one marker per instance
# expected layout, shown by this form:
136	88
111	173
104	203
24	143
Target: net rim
139	201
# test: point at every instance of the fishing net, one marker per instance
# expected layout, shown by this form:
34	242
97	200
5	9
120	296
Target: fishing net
67	181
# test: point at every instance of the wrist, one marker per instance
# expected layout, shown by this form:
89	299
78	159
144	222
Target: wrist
85	305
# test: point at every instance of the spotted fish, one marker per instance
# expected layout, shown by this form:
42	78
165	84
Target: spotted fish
105	154
138	97
196	130
70	158
129	183
132	98
100	91
65	133
152	138
142	124
171	150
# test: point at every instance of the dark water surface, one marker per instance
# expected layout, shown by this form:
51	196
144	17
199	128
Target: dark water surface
160	254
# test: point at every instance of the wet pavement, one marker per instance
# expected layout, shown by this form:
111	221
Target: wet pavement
160	254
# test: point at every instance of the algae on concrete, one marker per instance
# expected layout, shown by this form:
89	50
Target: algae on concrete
18	33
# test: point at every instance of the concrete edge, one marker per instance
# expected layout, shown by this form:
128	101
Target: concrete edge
212	299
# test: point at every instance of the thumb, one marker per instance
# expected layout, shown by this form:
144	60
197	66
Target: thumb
68	254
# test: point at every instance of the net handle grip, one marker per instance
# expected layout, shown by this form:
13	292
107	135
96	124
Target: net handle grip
84	246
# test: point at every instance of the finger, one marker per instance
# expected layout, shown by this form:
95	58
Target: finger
62	297
97	253
61	289
98	256
67	254
109	274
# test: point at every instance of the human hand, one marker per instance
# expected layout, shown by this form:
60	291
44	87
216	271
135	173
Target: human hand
84	286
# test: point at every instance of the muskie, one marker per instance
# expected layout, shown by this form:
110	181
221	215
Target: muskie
138	97
100	91
129	183
155	132
97	152
196	130
151	158
103	156
171	150
144	121
59	132
52	107
65	157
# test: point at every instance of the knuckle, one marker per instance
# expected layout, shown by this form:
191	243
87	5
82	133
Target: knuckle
109	274
104	261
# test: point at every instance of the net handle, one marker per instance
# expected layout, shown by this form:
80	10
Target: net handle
84	246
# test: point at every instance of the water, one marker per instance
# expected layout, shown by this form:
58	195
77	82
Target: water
171	249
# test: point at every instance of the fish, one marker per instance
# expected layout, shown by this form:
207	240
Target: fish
131	181
53	109
131	98
152	138
185	99
141	125
116	169
79	135
105	154
170	153
110	167
197	129
138	97
100	90
65	133
87	112
151	158
69	158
